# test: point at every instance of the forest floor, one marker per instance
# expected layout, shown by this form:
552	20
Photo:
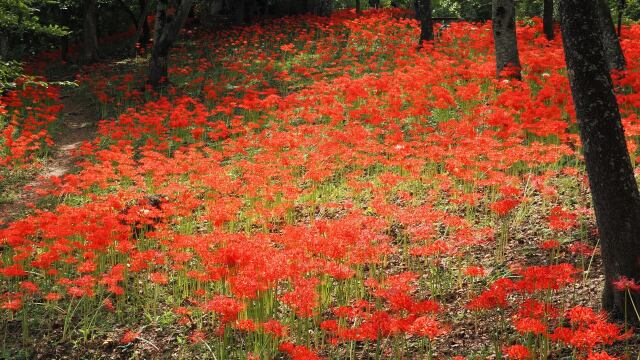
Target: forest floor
77	124
308	188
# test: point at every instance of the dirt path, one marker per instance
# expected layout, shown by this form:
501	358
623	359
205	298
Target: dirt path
79	124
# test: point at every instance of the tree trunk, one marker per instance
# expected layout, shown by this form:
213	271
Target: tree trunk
621	5
64	49
145	38
165	34
504	36
374	3
614	191
238	8
358	7
423	12
609	37
159	68
547	19
90	32
127	9
4	45
142	26
322	7
145	10
251	11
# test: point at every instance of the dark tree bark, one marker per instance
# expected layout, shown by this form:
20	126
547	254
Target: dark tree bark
127	9
614	191
238	9
4	45
423	12
90	32
504	36
547	19
209	14
64	49
265	8
322	7
621	5
142	26
358	7
166	33
145	37
374	3
609	37
63	17
251	11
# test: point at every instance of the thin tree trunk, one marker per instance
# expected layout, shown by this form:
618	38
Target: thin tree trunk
504	35
142	26
621	5
266	11
238	8
127	9
615	56
64	49
145	38
547	19
614	191
251	11
374	3
165	34
4	45
323	7
423	12
90	32
358	7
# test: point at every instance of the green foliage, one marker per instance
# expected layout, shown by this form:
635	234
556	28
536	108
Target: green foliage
9	70
466	9
632	11
530	8
19	16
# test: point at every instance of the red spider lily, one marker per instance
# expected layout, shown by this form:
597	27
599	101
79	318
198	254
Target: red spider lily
560	219
553	277
526	325
589	329
581	248
304	298
517	352
158	278
495	297
287	47
129	336
53	296
274	328
602	355
427	327
624	283
108	304
549	244
245	325
298	352
12	305
197	336
299	181
503	207
227	307
474	271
